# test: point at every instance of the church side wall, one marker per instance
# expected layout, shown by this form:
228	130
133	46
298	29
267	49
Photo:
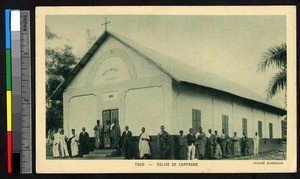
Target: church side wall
189	99
223	107
213	106
240	112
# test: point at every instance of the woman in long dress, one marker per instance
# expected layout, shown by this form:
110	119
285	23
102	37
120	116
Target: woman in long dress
244	144
144	148
218	151
236	145
210	144
201	143
74	144
115	134
97	134
182	146
106	137
225	144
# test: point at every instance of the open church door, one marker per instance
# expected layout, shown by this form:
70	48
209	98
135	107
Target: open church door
108	116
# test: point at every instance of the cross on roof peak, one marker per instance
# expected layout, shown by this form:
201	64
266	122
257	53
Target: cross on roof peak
106	23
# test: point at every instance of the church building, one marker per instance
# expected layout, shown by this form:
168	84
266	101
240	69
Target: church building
140	87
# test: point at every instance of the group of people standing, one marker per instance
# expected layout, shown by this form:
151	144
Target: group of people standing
195	144
109	136
213	146
69	146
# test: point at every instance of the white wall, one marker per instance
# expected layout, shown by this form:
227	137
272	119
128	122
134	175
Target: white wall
145	108
82	113
258	115
275	120
213	107
222	106
189	99
242	111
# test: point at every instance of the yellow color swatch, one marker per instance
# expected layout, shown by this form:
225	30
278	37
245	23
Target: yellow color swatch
9	110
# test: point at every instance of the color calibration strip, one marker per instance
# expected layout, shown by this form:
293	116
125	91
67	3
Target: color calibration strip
8	89
18	91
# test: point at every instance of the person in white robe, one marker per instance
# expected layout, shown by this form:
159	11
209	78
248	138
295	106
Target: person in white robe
63	144
55	143
73	143
144	148
256	143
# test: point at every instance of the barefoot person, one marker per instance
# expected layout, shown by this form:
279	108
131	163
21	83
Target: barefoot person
218	151
210	144
73	144
115	134
55	148
201	143
63	144
256	143
163	142
244	144
97	133
106	137
225	144
144	148
236	145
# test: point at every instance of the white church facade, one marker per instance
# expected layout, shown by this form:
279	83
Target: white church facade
118	78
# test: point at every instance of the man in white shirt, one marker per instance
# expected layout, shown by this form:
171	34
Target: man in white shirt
256	143
55	143
63	144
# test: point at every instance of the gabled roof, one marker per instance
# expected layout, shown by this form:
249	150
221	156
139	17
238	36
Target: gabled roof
179	71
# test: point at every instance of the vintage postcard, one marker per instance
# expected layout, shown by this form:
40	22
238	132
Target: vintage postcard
166	89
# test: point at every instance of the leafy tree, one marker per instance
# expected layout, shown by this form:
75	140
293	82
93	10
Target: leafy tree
275	56
59	64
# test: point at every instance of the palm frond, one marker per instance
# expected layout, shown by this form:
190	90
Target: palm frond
277	83
274	56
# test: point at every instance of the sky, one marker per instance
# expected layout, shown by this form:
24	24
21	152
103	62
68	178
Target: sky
228	46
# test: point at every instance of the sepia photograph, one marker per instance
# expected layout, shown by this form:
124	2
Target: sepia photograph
157	89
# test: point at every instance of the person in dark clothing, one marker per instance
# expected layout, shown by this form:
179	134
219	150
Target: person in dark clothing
191	139
83	143
225	145
181	146
127	142
210	144
163	142
244	144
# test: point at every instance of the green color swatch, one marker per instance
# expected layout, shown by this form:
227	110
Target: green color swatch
8	69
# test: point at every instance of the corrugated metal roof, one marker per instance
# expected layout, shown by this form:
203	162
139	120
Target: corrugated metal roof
181	72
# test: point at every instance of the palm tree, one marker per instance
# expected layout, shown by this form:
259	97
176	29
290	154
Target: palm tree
275	56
